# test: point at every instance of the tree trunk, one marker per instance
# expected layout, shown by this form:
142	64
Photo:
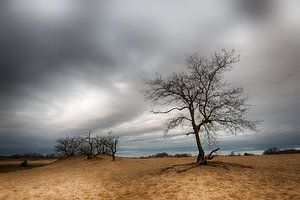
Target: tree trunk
90	153
196	129
113	156
201	153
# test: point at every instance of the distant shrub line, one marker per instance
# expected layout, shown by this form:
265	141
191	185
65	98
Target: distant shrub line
31	155
164	154
271	151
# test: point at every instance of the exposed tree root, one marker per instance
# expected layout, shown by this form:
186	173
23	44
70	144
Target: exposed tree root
210	156
216	164
203	162
206	162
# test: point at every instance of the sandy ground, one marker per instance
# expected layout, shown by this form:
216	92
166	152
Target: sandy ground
236	177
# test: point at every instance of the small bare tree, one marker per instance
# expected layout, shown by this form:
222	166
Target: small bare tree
87	145
90	142
111	144
83	145
201	99
99	145
68	146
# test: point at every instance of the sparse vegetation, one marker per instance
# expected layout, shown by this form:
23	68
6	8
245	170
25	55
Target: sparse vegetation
89	146
271	151
24	163
248	154
164	154
31	156
159	155
181	155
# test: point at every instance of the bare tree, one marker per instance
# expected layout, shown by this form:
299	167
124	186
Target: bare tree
68	146
87	145
201	100
62	146
99	145
111	144
90	142
83	145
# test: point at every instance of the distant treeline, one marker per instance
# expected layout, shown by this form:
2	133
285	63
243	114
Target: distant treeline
271	151
31	155
164	154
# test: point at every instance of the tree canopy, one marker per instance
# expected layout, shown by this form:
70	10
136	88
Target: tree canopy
199	98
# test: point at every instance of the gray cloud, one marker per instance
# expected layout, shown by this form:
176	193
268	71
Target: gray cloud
70	66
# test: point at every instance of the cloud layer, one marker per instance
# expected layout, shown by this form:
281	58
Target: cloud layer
70	66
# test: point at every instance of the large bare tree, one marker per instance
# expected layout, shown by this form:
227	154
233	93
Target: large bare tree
200	99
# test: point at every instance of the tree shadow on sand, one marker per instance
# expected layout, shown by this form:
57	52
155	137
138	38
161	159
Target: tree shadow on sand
179	168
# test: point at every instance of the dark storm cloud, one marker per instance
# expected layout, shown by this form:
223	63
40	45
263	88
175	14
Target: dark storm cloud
45	58
31	49
256	9
70	66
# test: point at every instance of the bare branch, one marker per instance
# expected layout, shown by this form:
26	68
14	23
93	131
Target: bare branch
174	122
189	133
170	110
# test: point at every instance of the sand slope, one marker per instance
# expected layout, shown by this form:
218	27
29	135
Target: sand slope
239	177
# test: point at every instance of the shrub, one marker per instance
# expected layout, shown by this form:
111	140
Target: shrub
160	155
24	163
180	155
270	151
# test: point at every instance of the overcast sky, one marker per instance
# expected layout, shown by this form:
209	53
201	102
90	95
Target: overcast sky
68	66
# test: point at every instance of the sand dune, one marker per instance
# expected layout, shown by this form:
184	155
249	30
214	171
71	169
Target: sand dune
237	177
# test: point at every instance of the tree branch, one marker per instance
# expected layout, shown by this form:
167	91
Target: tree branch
190	133
172	109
